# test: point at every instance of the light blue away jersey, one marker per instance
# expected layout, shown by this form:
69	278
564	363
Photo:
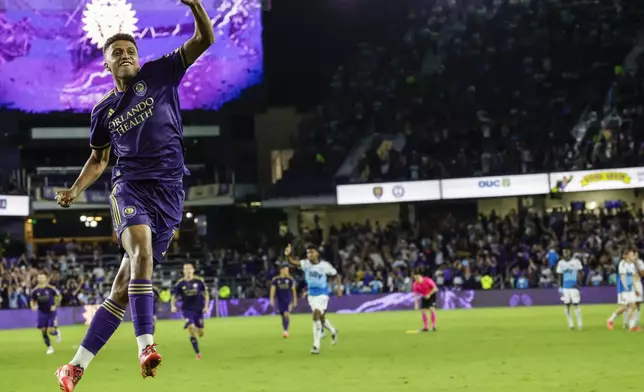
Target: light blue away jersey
316	276
569	269
628	270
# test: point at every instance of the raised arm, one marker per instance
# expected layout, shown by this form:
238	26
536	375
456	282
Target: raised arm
204	35
94	167
288	253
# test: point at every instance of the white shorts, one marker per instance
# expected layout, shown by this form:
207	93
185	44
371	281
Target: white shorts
318	302
626	297
570	296
638	288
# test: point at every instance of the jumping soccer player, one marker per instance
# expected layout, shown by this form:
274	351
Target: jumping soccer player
140	121
195	299
45	298
425	291
283	286
316	274
570	271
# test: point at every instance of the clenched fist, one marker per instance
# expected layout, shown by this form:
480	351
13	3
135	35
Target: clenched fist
66	198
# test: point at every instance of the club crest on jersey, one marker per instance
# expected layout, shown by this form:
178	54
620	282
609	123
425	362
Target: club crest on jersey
140	88
377	192
129	212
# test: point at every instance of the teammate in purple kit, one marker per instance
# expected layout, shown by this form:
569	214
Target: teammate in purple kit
45	298
140	122
193	292
283	288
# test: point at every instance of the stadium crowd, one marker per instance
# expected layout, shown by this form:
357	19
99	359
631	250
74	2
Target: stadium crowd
483	88
519	250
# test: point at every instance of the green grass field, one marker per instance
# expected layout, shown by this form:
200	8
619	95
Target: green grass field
520	349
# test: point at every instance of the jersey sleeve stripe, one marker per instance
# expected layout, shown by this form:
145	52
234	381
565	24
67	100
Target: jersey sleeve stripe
103	147
109	94
182	55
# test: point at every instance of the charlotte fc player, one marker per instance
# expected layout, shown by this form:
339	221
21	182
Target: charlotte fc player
283	288
425	289
570	271
45	298
316	274
140	121
193	292
627	294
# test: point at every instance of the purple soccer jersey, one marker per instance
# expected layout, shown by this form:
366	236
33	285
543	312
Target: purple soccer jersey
283	292
143	127
45	298
143	124
192	294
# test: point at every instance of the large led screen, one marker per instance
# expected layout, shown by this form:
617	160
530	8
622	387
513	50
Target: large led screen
50	56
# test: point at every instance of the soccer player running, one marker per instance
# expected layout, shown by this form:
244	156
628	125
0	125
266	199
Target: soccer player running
195	300
140	122
425	290
570	271
316	274
283	288
45	298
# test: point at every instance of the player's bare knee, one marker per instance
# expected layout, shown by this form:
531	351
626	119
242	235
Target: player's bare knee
200	331
44	331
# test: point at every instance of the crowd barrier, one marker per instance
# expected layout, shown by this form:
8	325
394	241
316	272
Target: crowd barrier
367	303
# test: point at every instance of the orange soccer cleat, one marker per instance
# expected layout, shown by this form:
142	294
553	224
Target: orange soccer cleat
68	376
635	329
610	325
199	357
285	335
150	359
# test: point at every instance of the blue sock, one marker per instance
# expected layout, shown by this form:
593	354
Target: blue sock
195	344
46	339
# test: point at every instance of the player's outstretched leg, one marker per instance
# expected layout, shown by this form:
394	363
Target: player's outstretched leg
433	318
137	241
611	320
286	320
54	331
45	338
317	331
632	323
423	313
326	323
105	321
571	324
192	331
580	324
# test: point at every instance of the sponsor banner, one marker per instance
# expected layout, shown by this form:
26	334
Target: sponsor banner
447	299
597	180
11	205
498	186
390	192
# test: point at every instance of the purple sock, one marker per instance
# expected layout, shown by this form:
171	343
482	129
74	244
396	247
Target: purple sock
142	306
106	320
195	344
285	322
45	337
